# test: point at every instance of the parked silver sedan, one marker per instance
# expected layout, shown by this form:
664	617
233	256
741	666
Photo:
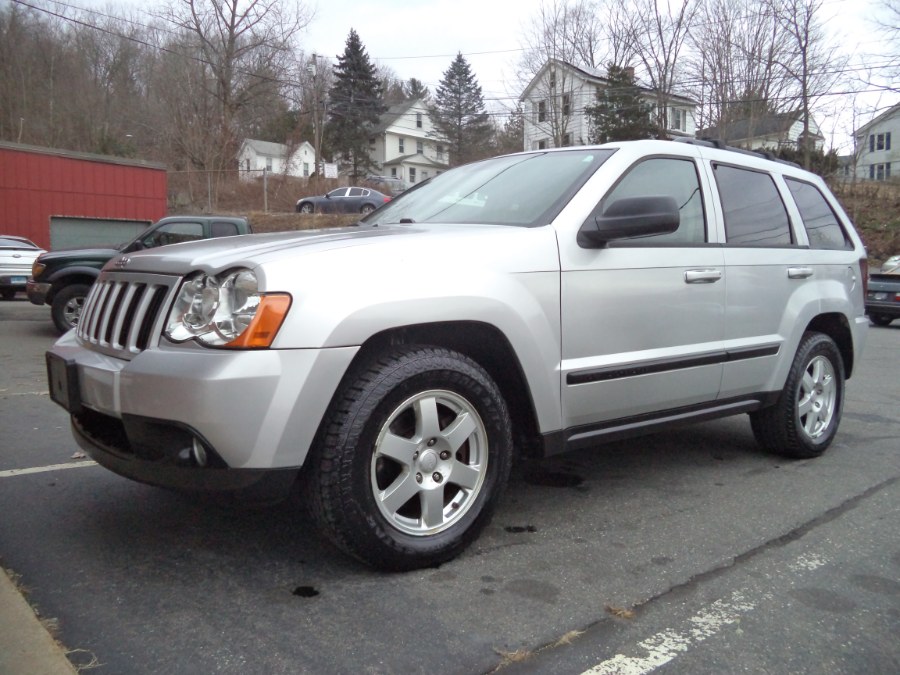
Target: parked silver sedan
17	254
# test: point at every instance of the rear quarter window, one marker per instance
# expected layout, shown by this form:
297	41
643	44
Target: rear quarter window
821	223
754	212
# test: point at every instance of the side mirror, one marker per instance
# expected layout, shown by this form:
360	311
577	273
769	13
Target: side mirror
630	217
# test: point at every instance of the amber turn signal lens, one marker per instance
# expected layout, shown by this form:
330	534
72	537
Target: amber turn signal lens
264	327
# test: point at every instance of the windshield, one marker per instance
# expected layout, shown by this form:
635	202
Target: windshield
524	190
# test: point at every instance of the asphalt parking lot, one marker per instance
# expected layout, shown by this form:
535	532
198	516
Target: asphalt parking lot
687	552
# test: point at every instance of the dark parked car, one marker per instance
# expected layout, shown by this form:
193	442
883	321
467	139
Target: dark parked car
16	257
344	200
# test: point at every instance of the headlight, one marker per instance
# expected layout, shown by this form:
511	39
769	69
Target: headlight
226	311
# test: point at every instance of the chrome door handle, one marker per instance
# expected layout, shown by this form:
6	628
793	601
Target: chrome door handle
702	276
800	272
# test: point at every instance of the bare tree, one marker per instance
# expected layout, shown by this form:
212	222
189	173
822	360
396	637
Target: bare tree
659	32
735	71
239	52
816	64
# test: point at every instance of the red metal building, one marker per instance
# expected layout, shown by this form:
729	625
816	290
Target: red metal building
40	186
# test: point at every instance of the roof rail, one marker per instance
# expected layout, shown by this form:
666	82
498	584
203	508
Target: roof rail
721	145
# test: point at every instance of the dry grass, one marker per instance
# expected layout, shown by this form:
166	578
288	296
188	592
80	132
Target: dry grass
620	612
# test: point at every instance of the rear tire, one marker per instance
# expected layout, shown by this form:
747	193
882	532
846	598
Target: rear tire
66	308
366	209
804	421
411	459
881	319
8	294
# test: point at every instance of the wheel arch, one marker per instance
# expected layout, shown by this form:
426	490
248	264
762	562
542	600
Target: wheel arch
485	344
836	326
75	275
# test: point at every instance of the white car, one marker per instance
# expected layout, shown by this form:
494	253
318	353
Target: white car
17	254
891	265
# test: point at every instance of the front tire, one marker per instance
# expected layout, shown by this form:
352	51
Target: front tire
66	307
411	459
804	421
305	207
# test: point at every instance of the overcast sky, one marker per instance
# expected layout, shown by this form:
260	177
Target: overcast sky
420	38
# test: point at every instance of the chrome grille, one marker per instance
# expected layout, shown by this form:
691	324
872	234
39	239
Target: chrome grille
123	313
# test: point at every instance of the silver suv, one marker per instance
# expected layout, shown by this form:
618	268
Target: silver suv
540	302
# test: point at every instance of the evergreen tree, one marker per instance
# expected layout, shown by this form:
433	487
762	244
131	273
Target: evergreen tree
356	103
511	138
620	113
415	89
459	115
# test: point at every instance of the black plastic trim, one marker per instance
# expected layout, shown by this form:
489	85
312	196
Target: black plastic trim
588	435
663	365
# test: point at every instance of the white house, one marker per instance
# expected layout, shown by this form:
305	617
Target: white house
767	132
556	97
878	147
405	144
255	157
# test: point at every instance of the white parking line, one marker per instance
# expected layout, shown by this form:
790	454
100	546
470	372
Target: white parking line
41	469
666	645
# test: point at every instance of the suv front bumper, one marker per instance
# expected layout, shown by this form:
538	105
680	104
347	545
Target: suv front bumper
249	411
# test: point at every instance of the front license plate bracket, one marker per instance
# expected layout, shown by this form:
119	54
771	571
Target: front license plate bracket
62	377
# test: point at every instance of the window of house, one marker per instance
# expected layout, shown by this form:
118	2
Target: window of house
542	111
566	106
821	223
880	141
879	171
671	177
420	147
542	144
400	145
440	151
552	79
567	140
412	174
393	172
268	163
306	168
754	212
419	120
679	119
424	175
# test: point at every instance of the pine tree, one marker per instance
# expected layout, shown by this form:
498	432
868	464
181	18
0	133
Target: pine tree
459	115
356	101
621	113
415	89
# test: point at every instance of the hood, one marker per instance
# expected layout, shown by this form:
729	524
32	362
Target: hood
80	254
213	255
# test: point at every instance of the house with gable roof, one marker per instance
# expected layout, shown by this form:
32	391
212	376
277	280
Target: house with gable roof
878	146
555	99
406	145
256	157
766	132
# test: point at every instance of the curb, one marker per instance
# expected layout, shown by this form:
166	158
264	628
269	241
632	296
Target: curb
25	645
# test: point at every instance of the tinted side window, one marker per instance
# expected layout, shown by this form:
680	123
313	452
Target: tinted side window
356	192
218	229
672	178
821	223
754	212
174	233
